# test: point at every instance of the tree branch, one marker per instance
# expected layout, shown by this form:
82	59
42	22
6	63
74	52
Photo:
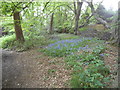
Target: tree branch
87	21
46	5
70	8
75	10
97	17
26	5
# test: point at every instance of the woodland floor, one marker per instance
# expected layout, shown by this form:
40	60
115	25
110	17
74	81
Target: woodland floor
32	69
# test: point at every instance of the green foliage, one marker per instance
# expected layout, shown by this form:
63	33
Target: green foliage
99	49
30	42
7	24
87	79
7	41
83	29
7	8
89	71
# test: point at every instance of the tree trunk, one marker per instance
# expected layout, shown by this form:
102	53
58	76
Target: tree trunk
116	30
18	28
51	24
115	37
77	14
97	16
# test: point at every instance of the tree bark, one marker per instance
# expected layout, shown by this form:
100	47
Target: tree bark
115	37
51	24
116	30
77	14
18	28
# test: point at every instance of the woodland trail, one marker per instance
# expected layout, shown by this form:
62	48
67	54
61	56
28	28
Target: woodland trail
31	69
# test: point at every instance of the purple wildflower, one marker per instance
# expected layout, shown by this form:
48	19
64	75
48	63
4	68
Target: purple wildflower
102	54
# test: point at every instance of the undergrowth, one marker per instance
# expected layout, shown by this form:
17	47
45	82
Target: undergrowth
83	55
65	47
9	42
89	70
85	58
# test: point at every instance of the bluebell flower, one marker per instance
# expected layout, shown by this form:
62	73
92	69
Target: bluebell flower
102	54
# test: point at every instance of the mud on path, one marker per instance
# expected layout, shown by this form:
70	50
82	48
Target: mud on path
31	69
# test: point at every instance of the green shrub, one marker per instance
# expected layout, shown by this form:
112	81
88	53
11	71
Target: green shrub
7	41
93	77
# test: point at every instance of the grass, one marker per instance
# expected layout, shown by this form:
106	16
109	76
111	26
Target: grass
67	36
83	29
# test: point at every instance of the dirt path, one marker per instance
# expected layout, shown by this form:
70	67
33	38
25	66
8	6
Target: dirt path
31	69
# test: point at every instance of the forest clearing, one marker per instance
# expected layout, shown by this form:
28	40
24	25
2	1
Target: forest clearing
59	45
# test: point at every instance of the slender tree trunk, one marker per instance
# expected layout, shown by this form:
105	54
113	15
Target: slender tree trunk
51	24
18	28
77	14
64	20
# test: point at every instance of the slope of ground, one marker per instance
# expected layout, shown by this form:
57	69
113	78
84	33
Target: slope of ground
96	33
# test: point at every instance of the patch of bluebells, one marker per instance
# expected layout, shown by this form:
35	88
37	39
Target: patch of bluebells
71	41
65	47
